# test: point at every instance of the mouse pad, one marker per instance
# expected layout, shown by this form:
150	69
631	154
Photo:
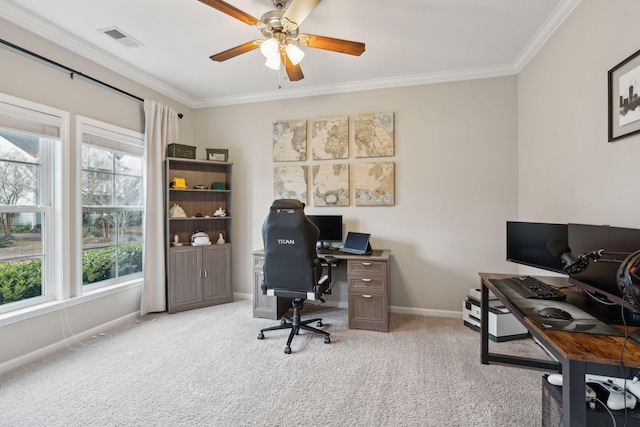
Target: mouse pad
581	322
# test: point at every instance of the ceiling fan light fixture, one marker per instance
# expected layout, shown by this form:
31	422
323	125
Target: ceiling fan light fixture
294	53
269	47
273	61
280	28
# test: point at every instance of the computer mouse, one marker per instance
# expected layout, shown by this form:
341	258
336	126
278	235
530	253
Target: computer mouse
555	313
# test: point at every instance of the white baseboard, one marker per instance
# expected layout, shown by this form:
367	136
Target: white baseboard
237	296
426	312
393	309
65	343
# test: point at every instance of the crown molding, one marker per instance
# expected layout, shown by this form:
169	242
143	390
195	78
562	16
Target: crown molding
413	80
57	35
551	25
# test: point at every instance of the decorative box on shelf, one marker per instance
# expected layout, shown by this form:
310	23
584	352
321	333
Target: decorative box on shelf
181	151
217	154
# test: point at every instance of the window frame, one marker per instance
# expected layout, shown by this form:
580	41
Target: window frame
33	118
113	138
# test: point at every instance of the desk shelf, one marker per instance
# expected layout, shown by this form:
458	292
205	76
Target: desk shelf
552	410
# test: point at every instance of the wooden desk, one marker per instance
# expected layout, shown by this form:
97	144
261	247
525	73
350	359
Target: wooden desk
368	283
577	355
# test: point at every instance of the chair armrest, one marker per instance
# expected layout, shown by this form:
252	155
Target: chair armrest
328	260
325	283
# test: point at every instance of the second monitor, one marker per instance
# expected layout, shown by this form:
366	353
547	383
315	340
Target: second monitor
330	227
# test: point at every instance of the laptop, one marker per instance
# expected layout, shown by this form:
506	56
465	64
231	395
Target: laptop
357	243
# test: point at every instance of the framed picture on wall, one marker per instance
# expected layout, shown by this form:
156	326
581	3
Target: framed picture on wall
624	98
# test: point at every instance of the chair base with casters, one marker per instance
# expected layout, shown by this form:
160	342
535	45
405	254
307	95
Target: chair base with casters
296	324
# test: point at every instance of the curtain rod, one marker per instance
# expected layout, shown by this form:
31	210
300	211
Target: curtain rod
73	72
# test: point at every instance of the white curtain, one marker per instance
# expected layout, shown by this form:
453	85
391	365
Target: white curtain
161	129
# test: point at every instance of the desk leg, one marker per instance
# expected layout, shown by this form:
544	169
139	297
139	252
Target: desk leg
574	411
484	325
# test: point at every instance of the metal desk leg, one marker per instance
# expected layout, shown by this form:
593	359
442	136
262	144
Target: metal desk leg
574	411
484	325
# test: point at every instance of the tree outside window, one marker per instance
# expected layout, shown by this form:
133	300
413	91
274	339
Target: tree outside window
21	242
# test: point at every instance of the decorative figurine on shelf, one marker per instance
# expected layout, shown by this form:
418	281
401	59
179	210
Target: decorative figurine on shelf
220	212
180	183
200	238
220	239
176	241
176	211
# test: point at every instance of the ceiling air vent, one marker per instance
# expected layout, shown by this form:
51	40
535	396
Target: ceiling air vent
121	37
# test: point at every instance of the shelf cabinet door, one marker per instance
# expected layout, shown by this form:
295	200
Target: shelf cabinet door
216	273
185	266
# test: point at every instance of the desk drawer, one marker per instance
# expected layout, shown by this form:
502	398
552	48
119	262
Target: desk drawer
367	284
368	311
367	268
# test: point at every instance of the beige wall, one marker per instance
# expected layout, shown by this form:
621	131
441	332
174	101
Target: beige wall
456	184
567	170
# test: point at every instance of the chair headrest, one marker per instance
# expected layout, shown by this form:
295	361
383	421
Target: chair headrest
287	204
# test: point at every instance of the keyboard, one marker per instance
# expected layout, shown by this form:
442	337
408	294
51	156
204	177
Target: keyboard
530	287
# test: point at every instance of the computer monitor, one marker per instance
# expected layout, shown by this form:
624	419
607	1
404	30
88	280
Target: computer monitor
600	277
330	227
527	244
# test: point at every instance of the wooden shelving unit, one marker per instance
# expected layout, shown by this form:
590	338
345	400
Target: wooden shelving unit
198	276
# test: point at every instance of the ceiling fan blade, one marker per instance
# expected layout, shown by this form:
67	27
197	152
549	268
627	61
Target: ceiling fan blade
235	51
293	71
231	11
329	43
298	10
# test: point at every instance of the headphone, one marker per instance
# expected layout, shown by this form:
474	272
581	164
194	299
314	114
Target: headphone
626	271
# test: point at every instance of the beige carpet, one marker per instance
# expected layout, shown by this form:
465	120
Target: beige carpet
206	367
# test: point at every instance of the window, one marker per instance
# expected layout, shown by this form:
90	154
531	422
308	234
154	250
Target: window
29	140
112	203
61	236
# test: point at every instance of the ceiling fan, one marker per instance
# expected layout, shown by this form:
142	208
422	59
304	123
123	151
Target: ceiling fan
281	29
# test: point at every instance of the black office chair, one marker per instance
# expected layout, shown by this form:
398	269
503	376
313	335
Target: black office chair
292	269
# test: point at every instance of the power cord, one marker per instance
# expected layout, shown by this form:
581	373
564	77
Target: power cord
613	418
597	299
64	319
622	350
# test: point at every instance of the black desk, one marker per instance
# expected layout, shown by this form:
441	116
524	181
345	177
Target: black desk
577	355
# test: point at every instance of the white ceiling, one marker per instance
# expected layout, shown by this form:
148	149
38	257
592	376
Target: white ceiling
407	42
